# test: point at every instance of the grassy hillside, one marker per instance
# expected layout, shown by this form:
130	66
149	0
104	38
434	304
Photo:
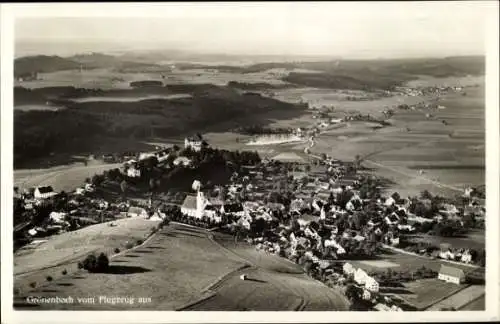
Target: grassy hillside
82	127
42	63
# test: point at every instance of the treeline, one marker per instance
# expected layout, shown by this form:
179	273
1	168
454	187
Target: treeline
262	130
38	134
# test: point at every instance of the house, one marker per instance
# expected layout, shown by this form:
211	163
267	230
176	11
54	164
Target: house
44	192
298	175
348	268
137	212
451	274
189	206
371	284
408	228
57	217
132	172
447	255
466	257
195	143
358	238
389	202
360	276
182	160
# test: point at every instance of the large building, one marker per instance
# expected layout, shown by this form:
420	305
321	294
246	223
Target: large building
451	274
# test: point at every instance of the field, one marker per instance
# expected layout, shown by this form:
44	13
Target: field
65	178
474	240
181	266
461	299
33	263
424	293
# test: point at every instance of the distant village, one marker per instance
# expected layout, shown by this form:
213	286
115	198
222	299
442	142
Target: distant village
319	212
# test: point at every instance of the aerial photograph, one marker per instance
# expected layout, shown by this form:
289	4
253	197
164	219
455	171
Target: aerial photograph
326	157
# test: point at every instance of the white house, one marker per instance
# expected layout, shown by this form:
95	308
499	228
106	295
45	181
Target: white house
447	255
44	192
182	160
451	274
408	228
133	172
195	143
348	268
466	257
389	201
371	284
360	276
57	217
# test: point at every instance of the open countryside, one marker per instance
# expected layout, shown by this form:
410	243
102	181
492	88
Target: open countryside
185	181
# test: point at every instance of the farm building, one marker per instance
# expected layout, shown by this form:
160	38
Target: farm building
44	192
133	172
451	274
189	206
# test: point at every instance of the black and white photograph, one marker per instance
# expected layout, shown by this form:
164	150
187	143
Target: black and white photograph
255	156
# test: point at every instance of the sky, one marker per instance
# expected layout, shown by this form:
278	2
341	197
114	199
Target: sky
357	30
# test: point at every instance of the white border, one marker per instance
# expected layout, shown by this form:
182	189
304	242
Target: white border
10	11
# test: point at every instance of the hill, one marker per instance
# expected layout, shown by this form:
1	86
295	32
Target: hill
42	63
86	126
99	60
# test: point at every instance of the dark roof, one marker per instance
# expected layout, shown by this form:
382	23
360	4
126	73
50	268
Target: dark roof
452	271
46	189
233	208
189	202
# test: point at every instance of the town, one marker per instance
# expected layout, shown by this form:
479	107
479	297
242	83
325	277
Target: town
331	217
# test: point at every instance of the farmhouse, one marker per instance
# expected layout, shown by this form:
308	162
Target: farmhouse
451	274
44	192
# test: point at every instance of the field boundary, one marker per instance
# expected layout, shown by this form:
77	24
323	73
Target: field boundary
445	297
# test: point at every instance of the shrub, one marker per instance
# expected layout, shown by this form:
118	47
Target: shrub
129	245
49	278
90	263
102	263
93	264
117	250
64	272
139	242
33	284
80	265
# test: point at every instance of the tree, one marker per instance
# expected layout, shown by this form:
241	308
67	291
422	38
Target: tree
425	195
351	292
124	187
